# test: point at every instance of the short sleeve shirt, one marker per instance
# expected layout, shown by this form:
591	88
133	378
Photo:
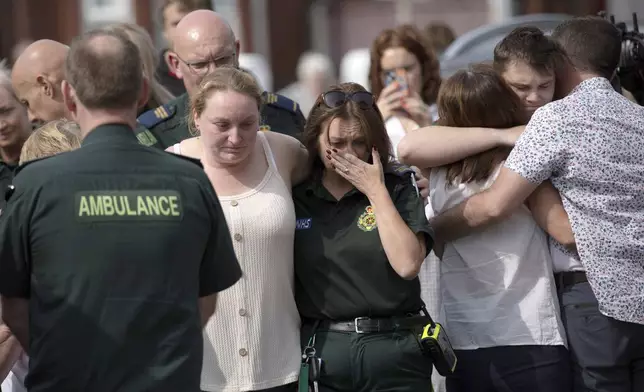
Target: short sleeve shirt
113	244
341	269
591	146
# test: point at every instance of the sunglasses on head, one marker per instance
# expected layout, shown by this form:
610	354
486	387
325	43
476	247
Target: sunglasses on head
333	99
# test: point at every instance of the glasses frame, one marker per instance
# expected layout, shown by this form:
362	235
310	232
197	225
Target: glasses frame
229	60
348	97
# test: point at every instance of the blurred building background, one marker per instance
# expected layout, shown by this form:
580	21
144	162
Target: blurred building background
281	30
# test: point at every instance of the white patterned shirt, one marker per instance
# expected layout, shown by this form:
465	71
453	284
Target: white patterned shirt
591	146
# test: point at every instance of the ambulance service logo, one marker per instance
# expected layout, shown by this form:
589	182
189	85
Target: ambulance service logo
367	221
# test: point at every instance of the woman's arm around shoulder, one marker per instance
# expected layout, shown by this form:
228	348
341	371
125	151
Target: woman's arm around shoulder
291	157
548	211
437	145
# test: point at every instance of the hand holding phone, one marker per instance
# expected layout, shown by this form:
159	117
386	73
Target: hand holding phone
394	92
396	76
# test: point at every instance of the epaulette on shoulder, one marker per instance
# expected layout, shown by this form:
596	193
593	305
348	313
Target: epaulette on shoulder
189	159
399	169
156	116
281	102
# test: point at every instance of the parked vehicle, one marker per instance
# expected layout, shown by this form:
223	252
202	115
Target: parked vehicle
477	45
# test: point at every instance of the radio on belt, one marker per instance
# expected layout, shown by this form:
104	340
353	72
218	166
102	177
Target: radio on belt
436	344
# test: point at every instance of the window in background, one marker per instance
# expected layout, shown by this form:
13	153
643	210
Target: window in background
571	7
96	13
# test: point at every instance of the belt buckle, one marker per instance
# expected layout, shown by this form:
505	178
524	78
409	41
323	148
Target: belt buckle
355	323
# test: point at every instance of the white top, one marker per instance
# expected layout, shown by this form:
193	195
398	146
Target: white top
497	284
396	132
15	381
561	260
253	339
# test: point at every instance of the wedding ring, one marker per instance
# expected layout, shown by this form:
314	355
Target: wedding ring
346	170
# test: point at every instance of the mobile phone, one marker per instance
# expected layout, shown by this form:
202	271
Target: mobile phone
397	75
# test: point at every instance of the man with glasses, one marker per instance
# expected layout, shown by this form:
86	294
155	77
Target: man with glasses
170	13
203	41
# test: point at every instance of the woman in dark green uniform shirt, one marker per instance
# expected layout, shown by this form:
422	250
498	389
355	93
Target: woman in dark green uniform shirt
361	237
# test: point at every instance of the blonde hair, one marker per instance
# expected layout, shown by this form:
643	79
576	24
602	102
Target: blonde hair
159	95
223	79
50	139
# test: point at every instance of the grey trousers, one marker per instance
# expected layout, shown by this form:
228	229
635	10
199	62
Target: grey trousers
607	355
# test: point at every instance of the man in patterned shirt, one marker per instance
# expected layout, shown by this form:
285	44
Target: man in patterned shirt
590	145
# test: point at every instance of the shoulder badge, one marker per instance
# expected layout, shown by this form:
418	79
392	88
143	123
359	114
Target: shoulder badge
281	102
156	116
145	137
265	128
400	170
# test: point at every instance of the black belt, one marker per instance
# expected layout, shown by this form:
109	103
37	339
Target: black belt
570	278
363	325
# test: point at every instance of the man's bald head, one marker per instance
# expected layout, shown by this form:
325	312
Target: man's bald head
204	25
202	41
42	57
36	78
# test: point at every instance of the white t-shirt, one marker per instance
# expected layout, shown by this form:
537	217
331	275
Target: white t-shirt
561	261
497	284
396	132
15	381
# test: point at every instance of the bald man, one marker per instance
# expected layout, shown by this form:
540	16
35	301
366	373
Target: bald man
203	41
36	78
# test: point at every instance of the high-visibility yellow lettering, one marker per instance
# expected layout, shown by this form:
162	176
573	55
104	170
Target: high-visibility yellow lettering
95	205
141	208
83	208
129	205
130	211
152	204
108	207
174	205
165	210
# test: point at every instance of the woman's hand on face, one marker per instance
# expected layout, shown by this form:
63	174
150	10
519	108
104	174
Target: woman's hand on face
390	100
367	178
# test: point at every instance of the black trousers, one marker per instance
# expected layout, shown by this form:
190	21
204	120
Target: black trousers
607	355
354	362
511	369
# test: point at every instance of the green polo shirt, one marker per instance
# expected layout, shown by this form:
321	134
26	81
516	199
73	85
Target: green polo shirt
341	269
113	244
167	125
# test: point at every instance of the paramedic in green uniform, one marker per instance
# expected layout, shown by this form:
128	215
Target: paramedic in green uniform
203	41
361	237
111	255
